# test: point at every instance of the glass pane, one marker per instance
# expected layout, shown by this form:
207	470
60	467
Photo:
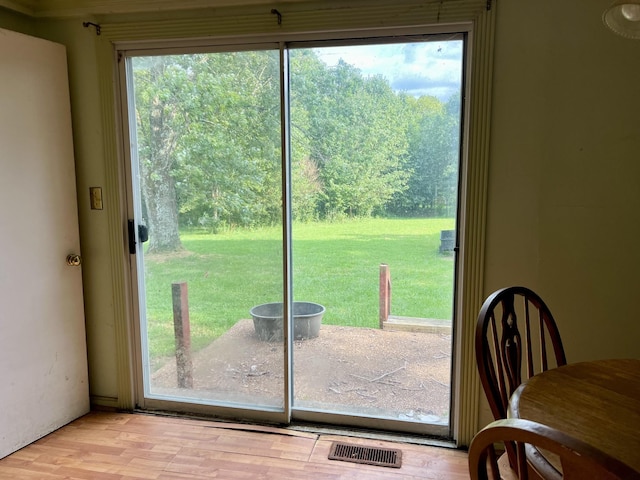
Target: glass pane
208	188
375	153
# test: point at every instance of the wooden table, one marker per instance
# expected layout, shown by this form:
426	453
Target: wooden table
597	402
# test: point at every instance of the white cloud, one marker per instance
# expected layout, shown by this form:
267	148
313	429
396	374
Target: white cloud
424	68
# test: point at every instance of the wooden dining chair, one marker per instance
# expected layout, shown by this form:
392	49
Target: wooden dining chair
516	338
578	460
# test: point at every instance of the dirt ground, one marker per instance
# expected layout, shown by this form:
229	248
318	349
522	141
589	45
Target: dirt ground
392	374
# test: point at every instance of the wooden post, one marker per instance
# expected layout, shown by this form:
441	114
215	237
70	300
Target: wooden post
183	334
385	293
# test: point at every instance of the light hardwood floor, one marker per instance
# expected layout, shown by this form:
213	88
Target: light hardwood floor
108	446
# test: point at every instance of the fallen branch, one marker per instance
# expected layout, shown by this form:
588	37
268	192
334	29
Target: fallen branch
390	373
367	396
439	383
412	389
441	355
381	376
391	383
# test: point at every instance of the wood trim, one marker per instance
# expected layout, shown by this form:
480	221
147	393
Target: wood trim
297	19
474	216
86	8
116	210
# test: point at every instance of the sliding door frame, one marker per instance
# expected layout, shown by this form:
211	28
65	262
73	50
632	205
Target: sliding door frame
479	26
127	106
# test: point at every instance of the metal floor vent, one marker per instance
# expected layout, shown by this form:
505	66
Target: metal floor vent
383	457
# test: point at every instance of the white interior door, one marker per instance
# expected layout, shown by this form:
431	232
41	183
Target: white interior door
43	362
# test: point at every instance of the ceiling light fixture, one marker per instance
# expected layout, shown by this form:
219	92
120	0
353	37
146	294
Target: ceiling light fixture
623	17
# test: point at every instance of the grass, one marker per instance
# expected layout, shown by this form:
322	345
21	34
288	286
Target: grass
334	264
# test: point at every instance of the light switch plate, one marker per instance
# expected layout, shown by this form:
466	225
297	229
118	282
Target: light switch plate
96	198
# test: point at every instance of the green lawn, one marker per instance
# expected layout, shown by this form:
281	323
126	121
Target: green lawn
335	264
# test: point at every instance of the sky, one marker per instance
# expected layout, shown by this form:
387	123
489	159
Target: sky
425	68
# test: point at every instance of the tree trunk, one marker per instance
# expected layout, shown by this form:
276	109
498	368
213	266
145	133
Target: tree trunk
162	210
157	183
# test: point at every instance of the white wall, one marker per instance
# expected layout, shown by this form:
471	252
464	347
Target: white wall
94	234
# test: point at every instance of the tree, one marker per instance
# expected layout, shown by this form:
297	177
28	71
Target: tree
306	183
161	121
208	141
433	159
230	168
355	133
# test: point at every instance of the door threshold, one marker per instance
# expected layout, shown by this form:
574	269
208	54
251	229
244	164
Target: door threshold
315	428
388	436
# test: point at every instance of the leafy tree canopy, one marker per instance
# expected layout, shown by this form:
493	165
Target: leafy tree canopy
209	143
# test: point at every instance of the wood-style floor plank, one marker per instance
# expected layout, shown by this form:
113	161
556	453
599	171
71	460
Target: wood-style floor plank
120	446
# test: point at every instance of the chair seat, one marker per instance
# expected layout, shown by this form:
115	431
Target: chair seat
506	472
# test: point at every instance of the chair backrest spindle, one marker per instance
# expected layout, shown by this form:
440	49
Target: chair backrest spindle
530	371
543	343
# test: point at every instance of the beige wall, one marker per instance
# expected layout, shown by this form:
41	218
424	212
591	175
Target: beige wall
94	229
564	199
17	22
564	204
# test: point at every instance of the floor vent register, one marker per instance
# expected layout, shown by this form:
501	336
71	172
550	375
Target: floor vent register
382	457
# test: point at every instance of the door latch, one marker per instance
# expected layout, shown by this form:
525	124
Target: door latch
143	235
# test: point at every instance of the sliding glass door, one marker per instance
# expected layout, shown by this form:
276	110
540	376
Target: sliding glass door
206	163
279	196
374	162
